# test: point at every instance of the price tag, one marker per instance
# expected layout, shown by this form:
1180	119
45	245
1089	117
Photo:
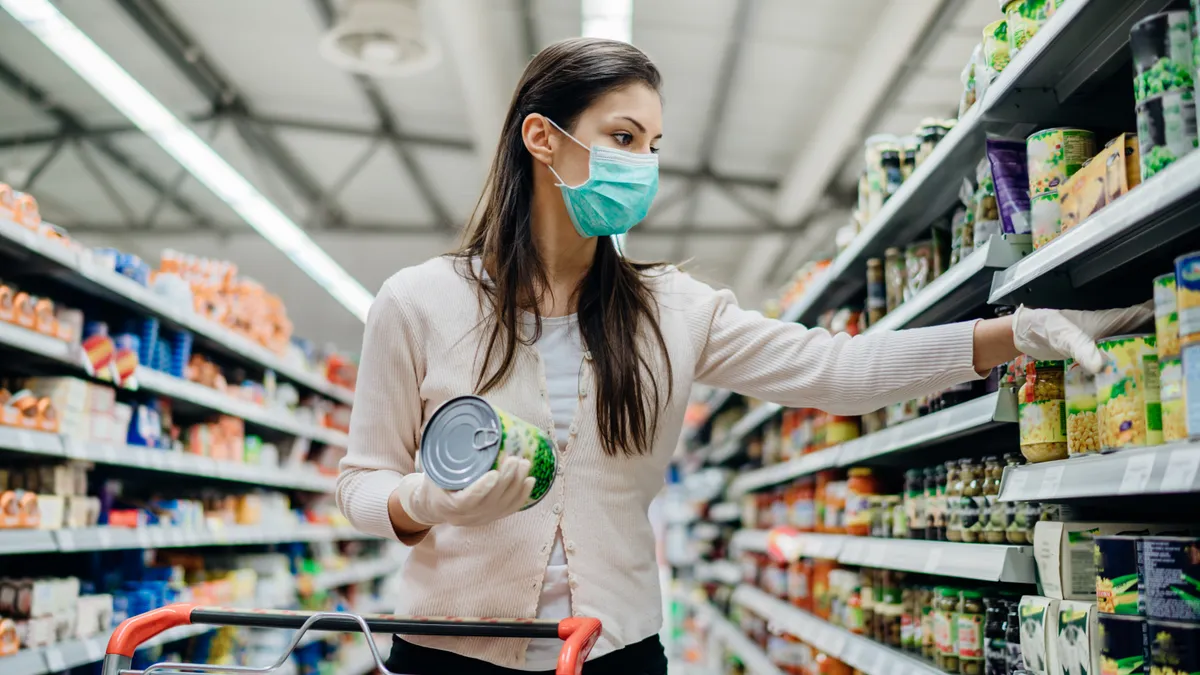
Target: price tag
1137	474
26	440
1014	483
1181	471
106	537
95	651
1051	479
876	555
66	540
55	660
933	560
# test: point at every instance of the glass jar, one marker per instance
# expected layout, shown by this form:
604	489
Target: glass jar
894	274
945	629
1012	639
995	520
876	292
889	619
954	490
970	504
1042	409
898	517
909	620
925	601
859	488
854	619
931	484
914	504
995	648
1025	516
970	633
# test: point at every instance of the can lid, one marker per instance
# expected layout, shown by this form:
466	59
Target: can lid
460	442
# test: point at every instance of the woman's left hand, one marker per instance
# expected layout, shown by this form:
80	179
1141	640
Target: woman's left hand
1055	334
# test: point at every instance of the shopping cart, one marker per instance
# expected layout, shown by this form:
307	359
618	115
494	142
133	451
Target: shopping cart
578	634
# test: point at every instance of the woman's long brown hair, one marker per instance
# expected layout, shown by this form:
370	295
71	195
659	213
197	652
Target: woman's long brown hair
615	305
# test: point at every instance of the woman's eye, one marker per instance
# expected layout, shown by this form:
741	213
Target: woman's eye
623	138
653	151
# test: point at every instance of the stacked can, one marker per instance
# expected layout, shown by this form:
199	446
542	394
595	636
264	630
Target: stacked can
1054	156
1128	409
180	353
1164	88
147	332
1187	322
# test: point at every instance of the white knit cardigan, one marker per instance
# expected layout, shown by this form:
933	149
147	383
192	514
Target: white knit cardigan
423	340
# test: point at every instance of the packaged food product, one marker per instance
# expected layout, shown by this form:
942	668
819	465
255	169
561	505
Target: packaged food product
994	515
1010	173
1014	660
930	132
1128	408
1166	130
1174	408
1045	212
1174	647
1041	403
996	53
1024	18
968	81
1162	54
962	236
1187	294
909	147
971	613
1190	358
1066	557
1055	155
1116	559
860	487
1166	316
894	277
985	216
877	179
1076	649
945	628
1169	577
995	647
466	437
1124	647
918	267
1083	434
952	504
1114	171
1039	626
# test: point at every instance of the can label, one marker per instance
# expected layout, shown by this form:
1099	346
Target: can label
1055	155
1191	388
970	636
1129	413
945	632
1166	130
1174	413
1166	316
1187	293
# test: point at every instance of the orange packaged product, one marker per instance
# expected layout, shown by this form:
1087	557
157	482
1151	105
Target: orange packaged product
9	513
9	643
43	317
28	515
23	314
840	429
802	508
46	416
8	200
7	303
799	584
860	487
25	403
25	210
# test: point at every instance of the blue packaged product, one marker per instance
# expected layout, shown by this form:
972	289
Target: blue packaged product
162	356
147	332
120	608
181	353
129	341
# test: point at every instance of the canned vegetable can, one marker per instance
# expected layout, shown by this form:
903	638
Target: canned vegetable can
1054	155
1083	435
1187	294
1124	649
1191	386
1174	647
1166	130
1024	18
1116	559
1162	54
1128	408
1170	578
996	52
1174	407
467	437
1166	316
1046	214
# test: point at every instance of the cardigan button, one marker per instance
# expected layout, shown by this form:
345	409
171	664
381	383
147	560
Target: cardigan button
574	429
570	546
557	509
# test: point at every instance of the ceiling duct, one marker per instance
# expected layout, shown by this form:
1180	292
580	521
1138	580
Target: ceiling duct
381	38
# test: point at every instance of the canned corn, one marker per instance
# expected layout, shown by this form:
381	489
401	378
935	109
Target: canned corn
1174	408
1166	316
467	437
1083	436
1187	293
1128	411
1055	155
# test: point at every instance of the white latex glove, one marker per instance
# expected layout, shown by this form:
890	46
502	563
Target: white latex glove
1055	334
500	492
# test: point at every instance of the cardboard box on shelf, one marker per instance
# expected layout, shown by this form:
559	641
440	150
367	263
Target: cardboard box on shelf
1066	561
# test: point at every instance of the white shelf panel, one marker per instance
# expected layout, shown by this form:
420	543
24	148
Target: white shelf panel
116	538
970	417
862	653
54	445
1163	469
725	633
722	452
725	512
108	284
355	573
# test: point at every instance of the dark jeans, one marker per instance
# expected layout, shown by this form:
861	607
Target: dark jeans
642	658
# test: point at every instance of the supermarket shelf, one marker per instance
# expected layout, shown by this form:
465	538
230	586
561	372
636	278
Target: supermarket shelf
77	270
783	472
970	417
355	573
861	653
720	629
35	343
717	571
986	562
962	288
725	512
1162	469
54	445
715	402
198	394
932	189
759	415
104	538
1149	217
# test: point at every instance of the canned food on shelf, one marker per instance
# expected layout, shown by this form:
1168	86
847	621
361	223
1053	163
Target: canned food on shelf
1024	18
1166	130
1174	408
1046	216
1187	294
1166	316
1055	155
1128	407
1042	412
1083	434
1162	54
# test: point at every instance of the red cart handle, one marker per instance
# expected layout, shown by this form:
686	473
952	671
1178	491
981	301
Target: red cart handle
578	634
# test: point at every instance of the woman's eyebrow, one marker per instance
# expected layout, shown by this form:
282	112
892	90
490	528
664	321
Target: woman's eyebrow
635	123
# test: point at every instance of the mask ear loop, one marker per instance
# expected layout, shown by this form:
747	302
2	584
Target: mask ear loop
561	182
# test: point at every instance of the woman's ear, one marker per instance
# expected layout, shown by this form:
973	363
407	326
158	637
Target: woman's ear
535	131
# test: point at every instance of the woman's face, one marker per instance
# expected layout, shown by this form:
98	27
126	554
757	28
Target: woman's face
627	119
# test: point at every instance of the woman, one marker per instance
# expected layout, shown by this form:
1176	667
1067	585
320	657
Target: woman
542	316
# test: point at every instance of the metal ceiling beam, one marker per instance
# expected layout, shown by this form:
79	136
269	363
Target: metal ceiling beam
397	229
71	126
389	130
716	115
187	57
529	41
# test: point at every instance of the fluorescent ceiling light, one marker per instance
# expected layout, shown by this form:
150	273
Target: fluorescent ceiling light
95	66
612	19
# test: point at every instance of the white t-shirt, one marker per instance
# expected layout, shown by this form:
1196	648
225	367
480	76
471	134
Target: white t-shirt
561	348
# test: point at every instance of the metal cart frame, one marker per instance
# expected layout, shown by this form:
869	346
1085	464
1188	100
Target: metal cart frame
578	634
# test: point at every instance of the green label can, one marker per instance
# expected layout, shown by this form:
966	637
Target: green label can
1055	155
1162	54
1129	410
1116	558
1166	130
1124	647
467	437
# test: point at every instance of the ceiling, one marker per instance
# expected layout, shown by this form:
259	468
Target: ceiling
383	172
